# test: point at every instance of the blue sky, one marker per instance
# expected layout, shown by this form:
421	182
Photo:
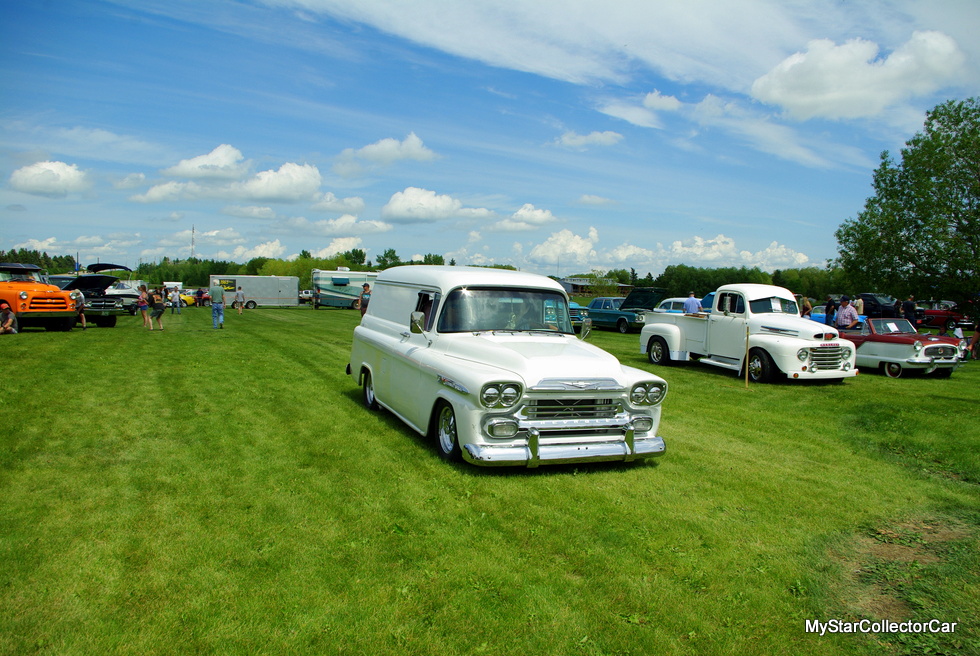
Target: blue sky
557	136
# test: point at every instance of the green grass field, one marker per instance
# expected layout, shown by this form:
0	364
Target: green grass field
204	491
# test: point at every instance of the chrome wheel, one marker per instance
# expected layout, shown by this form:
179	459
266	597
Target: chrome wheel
370	400
893	370
657	351
446	433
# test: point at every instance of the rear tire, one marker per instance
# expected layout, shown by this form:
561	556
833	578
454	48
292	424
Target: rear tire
250	305
367	389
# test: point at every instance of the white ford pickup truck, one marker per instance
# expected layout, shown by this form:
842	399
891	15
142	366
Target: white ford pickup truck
760	324
486	362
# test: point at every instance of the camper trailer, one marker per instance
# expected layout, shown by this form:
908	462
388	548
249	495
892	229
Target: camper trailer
261	291
340	288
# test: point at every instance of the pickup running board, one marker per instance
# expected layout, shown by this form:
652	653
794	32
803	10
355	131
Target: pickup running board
726	364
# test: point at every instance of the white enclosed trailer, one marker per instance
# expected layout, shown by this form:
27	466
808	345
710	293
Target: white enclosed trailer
260	291
341	288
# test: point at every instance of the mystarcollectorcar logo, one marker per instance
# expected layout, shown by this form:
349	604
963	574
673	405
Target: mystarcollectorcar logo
879	626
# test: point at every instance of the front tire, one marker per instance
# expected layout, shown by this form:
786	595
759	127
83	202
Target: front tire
760	366
893	369
623	326
658	352
945	372
446	433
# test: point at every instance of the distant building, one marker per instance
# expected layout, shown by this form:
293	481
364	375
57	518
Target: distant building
583	286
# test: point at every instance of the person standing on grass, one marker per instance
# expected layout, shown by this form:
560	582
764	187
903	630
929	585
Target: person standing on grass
80	306
365	297
8	320
829	311
240	299
159	305
143	305
175	300
217	306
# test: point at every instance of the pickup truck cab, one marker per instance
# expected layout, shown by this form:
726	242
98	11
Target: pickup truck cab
486	362
34	301
755	324
625	314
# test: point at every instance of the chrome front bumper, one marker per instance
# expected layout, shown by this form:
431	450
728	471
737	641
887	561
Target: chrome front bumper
535	453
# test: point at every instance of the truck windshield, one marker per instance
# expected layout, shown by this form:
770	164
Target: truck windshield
774	304
475	309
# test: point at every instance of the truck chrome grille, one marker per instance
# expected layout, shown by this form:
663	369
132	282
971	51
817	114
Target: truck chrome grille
571	408
826	357
40	303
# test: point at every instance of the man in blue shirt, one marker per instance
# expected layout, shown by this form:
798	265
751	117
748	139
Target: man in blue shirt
692	305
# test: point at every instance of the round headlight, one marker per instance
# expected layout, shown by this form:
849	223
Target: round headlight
917	346
490	395
845	353
639	395
509	395
803	355
656	393
23	296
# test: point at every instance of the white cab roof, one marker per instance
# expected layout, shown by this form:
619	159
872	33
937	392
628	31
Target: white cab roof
450	277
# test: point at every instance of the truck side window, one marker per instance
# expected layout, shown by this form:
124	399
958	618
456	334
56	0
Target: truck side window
426	302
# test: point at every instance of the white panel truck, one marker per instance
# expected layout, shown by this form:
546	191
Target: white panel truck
757	324
341	288
260	291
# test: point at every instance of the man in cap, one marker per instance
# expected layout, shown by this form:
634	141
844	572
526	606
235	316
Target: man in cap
847	316
691	304
8	320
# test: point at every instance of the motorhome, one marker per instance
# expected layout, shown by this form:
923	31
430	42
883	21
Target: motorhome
341	288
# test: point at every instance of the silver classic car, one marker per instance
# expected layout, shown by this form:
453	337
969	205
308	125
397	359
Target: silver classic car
487	363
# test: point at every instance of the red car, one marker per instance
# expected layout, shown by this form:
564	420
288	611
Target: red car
941	314
895	347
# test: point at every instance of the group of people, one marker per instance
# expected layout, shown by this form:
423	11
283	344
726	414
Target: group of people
152	303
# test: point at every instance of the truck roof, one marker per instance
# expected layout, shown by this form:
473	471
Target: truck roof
448	277
755	290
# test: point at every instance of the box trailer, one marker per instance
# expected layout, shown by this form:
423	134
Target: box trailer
260	291
340	288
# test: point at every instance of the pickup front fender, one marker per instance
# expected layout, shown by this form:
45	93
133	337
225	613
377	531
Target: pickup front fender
670	334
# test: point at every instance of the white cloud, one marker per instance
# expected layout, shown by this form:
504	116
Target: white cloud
566	247
52	179
131	181
659	102
850	81
346	225
575	140
590	199
337	246
250	211
290	183
524	219
328	202
415	205
632	113
223	163
385	152
270	249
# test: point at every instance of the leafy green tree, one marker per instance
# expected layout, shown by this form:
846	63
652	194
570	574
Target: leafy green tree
430	258
388	259
920	231
355	257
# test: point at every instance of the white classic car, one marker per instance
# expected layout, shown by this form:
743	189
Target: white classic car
486	362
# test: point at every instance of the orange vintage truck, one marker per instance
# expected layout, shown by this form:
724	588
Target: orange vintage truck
35	302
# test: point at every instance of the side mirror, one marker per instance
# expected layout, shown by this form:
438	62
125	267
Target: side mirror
417	322
586	328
